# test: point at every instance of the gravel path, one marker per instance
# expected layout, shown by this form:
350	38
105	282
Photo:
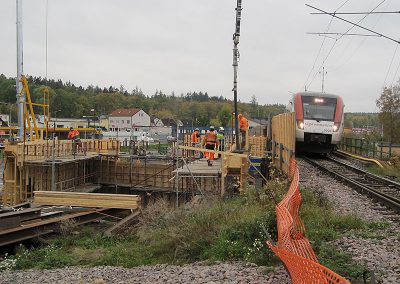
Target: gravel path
236	272
380	254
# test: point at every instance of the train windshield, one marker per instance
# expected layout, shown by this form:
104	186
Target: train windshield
316	108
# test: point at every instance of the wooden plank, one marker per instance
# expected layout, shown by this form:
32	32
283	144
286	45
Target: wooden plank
122	201
122	222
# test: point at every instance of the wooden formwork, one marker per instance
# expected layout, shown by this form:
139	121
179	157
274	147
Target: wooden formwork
283	140
233	166
256	145
136	172
28	166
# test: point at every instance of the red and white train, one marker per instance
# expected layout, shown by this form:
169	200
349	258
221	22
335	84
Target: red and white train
319	121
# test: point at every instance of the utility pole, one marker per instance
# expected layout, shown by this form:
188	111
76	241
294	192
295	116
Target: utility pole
235	64
323	77
20	70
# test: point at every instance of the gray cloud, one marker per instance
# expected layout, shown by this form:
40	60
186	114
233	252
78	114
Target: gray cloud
186	45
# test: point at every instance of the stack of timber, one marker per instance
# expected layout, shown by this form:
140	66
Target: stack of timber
257	145
283	140
96	200
27	166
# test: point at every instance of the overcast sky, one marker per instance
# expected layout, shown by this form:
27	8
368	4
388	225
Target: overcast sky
186	45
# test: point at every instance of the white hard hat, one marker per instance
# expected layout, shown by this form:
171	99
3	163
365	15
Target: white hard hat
221	128
212	127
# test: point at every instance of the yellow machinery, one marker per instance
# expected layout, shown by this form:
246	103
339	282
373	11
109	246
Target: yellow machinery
30	118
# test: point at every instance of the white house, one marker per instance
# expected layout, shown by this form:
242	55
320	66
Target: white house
132	119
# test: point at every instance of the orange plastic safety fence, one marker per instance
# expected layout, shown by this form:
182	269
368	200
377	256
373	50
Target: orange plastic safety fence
293	247
305	271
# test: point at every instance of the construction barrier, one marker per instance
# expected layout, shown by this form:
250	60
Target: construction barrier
293	247
283	140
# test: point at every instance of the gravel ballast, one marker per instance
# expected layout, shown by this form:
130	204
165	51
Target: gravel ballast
236	272
379	253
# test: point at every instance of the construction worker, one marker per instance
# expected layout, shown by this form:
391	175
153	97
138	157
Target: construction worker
195	141
195	137
243	127
211	142
74	136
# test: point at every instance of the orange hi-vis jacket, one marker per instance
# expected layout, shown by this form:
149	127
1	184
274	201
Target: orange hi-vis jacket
195	139
211	137
73	133
243	124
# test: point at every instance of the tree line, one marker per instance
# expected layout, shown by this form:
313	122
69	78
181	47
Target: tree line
73	101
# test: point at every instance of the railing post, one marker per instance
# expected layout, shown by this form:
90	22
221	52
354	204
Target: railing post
280	156
361	147
374	150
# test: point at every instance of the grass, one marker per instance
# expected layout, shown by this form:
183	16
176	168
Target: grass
231	230
392	172
235	229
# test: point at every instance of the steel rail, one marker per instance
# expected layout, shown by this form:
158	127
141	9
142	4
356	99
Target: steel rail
370	175
384	198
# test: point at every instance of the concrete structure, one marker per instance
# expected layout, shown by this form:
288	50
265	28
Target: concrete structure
133	119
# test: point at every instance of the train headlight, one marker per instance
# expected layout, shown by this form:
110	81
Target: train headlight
300	124
336	127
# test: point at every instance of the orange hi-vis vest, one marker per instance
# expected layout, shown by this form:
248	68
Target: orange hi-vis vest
194	137
211	137
73	133
243	124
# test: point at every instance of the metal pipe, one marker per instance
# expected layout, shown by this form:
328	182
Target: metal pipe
235	68
20	70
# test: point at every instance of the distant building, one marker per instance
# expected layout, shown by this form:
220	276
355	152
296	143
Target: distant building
60	122
4	120
132	119
104	122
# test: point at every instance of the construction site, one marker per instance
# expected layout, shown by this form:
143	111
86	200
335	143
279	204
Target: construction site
46	172
130	187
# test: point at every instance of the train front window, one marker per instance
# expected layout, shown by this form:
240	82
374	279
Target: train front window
317	108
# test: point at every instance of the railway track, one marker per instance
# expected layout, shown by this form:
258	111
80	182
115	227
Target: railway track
379	188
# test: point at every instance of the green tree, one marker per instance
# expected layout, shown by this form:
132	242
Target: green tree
224	115
389	106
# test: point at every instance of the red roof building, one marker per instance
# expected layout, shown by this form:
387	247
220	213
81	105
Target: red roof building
126	119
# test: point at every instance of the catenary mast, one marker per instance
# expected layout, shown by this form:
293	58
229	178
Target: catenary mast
20	99
236	56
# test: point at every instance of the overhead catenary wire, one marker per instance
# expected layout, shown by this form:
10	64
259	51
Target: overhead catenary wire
322	44
334	44
342	34
358	13
390	65
356	24
395	74
345	61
